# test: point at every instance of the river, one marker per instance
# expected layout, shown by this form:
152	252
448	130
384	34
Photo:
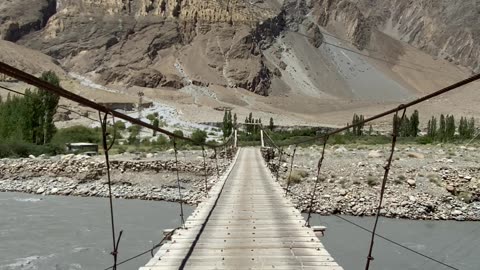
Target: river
72	233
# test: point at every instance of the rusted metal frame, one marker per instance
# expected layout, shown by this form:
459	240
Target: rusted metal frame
216	163
280	155
175	150
291	169
317	181
396	124
205	171
106	149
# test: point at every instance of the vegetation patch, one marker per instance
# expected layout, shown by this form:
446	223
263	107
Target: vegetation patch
297	176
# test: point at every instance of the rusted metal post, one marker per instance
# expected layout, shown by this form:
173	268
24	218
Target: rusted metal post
396	123
291	169
205	171
314	191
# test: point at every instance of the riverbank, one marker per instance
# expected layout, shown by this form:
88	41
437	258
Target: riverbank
152	178
425	182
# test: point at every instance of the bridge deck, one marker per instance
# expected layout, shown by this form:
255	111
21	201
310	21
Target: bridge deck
250	225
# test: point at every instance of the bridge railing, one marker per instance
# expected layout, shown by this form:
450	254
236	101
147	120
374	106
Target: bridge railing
399	115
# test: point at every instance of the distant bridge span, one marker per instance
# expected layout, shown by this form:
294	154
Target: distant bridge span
247	223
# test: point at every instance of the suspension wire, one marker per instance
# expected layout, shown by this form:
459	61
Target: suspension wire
205	171
280	154
216	163
106	149
314	191
159	244
174	140
396	243
396	124
291	169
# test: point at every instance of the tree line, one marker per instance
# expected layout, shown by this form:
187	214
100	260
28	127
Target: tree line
29	118
444	130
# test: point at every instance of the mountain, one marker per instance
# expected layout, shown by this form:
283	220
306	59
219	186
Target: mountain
301	58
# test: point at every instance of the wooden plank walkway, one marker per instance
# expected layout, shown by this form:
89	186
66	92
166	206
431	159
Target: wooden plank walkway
251	225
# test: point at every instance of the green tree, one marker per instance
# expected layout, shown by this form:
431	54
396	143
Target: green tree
442	128
155	123
76	134
450	128
414	124
49	105
271	125
432	128
120	125
133	138
199	136
227	124
471	128
358	125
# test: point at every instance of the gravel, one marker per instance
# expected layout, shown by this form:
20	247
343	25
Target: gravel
425	182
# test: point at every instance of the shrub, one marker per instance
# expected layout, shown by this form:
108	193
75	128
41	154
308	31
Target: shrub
465	196
121	149
119	125
296	176
433	178
372	181
199	136
76	134
161	140
178	133
20	149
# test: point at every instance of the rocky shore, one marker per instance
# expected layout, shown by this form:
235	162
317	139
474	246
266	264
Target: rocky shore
70	175
425	182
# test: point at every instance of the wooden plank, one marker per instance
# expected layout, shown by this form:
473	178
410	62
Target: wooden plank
251	226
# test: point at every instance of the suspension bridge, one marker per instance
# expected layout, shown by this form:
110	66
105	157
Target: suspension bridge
247	221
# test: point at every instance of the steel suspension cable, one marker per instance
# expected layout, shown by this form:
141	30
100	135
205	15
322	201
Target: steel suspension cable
205	171
317	180
159	244
289	180
216	163
280	155
174	140
396	243
106	149
396	124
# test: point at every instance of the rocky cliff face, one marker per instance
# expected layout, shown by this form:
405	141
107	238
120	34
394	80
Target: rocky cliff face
173	43
20	17
443	28
143	42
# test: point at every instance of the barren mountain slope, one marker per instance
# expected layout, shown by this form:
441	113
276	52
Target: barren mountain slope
310	62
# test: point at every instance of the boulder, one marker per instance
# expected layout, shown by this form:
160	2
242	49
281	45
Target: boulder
375	154
415	155
411	182
456	212
450	188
